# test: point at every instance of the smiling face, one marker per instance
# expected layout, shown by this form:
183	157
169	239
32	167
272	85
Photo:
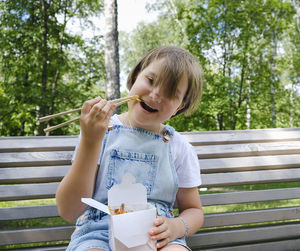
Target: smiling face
157	105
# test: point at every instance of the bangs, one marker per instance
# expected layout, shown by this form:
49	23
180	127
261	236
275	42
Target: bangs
168	76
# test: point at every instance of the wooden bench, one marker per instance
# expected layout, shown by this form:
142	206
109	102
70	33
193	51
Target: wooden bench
239	170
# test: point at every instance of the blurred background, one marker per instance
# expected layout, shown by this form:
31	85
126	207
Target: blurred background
52	58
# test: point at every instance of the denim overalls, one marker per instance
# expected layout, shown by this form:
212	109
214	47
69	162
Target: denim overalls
147	156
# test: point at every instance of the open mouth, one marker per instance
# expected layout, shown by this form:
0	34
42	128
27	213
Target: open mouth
148	108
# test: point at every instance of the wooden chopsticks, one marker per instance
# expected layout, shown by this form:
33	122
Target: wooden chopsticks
117	102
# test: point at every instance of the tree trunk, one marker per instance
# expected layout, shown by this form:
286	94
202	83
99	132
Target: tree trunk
43	103
57	74
111	50
248	110
273	80
292	105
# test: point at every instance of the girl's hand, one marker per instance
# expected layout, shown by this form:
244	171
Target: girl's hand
164	231
94	118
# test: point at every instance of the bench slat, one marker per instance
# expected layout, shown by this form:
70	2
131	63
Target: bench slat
251	149
38	143
14	213
253	216
247	236
8	237
249	163
64	157
242	136
28	212
41	143
35	158
249	196
211	220
28	191
250	177
32	174
31	191
46	248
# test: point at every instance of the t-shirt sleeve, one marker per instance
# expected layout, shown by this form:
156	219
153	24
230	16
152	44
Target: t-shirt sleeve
186	162
76	147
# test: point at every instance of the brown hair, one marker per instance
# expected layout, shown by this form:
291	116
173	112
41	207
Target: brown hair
177	63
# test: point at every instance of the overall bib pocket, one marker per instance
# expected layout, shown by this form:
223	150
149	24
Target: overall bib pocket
141	165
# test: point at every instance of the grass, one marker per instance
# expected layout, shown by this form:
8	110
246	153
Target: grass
27	203
30	223
35	245
251	187
253	205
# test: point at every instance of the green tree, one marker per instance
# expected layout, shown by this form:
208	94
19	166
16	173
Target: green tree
237	43
38	65
248	50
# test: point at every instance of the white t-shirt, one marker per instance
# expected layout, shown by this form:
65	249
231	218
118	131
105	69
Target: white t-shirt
185	159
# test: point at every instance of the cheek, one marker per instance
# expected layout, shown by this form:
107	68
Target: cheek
169	110
139	87
134	90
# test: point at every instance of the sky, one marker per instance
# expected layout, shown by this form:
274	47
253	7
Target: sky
130	12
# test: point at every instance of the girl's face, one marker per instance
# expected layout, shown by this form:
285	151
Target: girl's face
155	108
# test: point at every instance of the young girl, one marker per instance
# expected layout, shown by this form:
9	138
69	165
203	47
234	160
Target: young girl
169	82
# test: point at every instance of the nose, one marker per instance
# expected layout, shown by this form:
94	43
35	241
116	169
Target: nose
156	94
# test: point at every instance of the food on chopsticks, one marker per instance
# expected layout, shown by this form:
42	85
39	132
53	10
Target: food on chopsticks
117	102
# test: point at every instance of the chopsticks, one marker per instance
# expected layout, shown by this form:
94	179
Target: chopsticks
117	102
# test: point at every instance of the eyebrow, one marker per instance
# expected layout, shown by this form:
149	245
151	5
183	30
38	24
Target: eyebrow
152	74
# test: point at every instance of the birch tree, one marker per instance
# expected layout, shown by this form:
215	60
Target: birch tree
111	50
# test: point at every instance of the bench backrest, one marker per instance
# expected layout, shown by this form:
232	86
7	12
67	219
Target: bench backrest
255	168
31	168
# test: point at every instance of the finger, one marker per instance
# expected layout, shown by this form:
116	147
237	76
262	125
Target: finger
89	104
107	110
97	109
111	110
159	232
160	235
107	107
162	243
159	221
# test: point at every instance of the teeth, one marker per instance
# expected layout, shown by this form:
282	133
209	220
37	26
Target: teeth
148	108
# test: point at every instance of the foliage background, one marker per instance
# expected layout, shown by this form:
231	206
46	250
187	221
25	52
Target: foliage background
249	51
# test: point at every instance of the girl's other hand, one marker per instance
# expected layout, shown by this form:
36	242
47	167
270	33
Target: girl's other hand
164	231
94	118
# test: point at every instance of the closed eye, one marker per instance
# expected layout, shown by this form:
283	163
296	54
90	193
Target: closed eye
151	80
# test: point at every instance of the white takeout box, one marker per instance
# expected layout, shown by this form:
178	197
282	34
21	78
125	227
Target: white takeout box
128	231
